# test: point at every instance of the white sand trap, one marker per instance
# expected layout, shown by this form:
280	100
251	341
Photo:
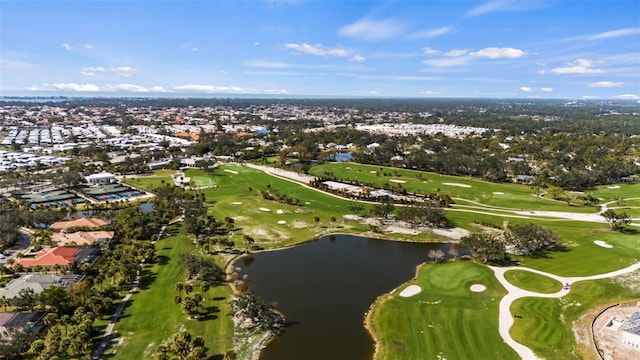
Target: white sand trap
348	168
397	181
603	244
236	203
613	187
280	211
498	193
282	222
478	288
231	171
410	291
457	184
265	209
373	172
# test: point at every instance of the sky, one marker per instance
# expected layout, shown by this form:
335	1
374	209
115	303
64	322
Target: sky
564	49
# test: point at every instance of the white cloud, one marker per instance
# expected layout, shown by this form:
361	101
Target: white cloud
497	53
578	66
372	92
589	97
76	87
373	30
317	50
447	62
614	34
546	89
357	58
627	97
157	89
195	49
127	87
606	84
209	88
427	34
430	92
430	51
275	91
506	5
88	46
456	52
526	89
66	46
257	43
122	71
33	88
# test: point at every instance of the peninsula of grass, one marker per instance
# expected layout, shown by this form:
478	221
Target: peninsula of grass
445	320
545	325
152	316
531	281
506	195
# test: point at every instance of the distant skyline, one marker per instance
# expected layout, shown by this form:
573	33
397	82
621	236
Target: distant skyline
469	49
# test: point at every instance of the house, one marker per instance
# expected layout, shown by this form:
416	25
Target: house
12	322
81	238
100	178
631	331
63	226
50	257
525	179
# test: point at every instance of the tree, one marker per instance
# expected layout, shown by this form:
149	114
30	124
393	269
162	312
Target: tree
182	346
615	220
530	238
247	240
437	255
484	246
454	250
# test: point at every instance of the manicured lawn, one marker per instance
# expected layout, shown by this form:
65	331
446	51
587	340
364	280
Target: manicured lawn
152	316
150	182
612	192
546	324
445	320
528	280
507	195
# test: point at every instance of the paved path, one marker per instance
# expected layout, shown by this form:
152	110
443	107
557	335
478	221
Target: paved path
136	284
505	320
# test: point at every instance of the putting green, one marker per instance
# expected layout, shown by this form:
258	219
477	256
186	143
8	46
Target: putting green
531	281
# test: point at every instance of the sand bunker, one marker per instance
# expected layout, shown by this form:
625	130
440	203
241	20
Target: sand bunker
498	193
265	209
452	233
280	211
236	203
478	288
457	184
282	222
231	171
613	187
397	181
373	172
410	291
603	244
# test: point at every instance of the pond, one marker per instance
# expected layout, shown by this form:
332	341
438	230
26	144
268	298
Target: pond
325	287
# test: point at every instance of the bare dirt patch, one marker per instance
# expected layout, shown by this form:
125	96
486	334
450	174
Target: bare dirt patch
454	233
607	330
298	224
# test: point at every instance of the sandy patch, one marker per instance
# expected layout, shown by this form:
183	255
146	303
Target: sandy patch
231	171
348	168
457	184
237	203
603	244
282	222
478	288
454	233
410	291
299	224
280	211
498	193
397	181
402	230
264	209
613	187
373	172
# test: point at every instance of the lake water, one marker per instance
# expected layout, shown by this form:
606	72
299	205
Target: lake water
325	287
345	156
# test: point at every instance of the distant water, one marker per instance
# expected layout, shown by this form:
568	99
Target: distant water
345	156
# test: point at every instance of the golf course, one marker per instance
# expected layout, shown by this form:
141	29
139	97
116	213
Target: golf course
449	317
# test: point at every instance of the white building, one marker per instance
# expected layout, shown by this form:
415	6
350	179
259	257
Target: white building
100	178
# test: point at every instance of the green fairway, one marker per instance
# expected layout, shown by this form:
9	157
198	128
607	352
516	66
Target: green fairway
445	320
612	192
150	182
546	324
528	280
507	195
272	223
152	317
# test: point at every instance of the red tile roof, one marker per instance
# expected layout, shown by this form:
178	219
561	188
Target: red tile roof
50	257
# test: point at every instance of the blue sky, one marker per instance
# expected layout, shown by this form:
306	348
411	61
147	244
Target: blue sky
491	49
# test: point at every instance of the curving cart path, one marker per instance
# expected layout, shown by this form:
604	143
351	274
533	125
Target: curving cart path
505	320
